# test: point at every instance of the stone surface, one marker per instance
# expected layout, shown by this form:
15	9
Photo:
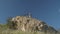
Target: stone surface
26	23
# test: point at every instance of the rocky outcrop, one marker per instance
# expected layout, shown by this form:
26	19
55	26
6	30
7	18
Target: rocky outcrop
27	23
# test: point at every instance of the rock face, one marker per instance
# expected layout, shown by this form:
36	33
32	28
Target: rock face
27	23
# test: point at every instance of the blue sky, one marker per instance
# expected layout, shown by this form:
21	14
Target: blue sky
46	10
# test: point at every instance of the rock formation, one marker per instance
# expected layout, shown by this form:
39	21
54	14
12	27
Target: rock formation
27	23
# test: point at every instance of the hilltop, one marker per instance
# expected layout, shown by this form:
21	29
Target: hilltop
27	23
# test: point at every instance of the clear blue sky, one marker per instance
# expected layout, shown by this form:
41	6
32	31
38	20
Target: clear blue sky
46	10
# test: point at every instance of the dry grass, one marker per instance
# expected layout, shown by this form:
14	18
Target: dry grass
20	32
16	32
